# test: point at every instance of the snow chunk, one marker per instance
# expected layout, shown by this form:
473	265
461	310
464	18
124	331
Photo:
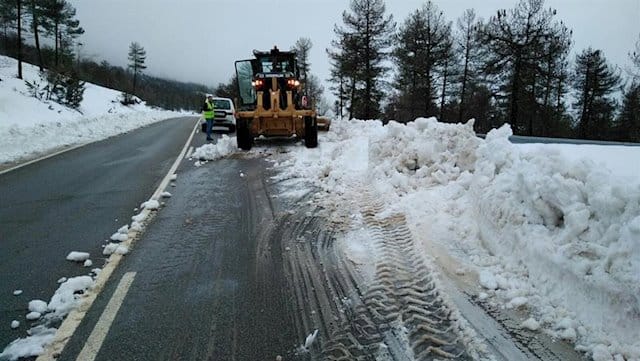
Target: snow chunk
517	302
568	334
30	346
88	263
61	280
165	194
37	306
33	315
139	217
531	324
173	177
310	339
222	148
151	205
488	280
77	256
17	292
15	324
119	237
115	248
136	226
65	297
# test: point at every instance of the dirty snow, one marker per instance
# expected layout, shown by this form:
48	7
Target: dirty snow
553	229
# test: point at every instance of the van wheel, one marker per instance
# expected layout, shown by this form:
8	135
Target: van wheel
243	135
310	132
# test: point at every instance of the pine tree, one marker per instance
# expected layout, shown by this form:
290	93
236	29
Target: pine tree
302	48
635	59
423	45
137	57
73	90
628	123
359	55
311	83
468	46
7	19
19	21
58	21
519	42
594	81
36	14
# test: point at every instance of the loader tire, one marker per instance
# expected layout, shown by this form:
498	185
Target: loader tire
310	132
243	135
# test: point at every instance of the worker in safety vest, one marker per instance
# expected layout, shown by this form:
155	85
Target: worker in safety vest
207	114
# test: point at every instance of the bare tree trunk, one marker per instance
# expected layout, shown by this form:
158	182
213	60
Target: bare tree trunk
464	83
353	96
19	4
34	17
57	41
444	89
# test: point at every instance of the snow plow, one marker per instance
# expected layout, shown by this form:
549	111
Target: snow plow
271	102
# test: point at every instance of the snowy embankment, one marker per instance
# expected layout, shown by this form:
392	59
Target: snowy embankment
548	232
31	127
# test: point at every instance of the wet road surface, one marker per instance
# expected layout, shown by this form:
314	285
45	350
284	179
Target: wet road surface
73	202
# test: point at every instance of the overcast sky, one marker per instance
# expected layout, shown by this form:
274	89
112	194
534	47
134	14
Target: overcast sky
199	40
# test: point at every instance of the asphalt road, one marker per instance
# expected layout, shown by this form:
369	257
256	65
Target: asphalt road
73	202
207	285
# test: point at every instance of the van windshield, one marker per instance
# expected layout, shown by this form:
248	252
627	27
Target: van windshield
221	104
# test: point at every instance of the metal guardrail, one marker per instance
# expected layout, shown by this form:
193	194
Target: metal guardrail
518	139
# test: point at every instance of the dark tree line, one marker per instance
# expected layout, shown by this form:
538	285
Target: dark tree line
65	72
514	67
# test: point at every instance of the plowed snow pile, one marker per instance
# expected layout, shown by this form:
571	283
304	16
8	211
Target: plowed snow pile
555	235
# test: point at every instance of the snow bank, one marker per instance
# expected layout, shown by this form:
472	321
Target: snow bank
223	147
555	233
29	126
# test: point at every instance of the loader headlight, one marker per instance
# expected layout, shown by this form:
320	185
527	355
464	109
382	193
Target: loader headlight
258	83
292	83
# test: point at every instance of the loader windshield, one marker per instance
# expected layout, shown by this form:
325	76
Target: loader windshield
276	64
244	71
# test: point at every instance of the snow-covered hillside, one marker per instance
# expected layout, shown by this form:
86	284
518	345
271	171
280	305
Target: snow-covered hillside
543	228
29	127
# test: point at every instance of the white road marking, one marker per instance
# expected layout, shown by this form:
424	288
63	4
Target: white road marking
99	333
73	319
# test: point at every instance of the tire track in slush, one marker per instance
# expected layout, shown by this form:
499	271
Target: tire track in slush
399	316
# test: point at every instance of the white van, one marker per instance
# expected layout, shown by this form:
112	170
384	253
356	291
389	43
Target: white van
224	115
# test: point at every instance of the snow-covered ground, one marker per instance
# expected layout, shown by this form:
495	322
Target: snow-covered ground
30	127
552	230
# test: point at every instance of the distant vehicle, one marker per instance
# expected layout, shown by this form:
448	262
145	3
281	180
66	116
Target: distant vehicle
224	115
271	102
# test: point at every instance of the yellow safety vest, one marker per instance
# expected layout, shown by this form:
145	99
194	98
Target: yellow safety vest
208	110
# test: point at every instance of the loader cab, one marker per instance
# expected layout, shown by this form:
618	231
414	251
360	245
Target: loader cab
269	71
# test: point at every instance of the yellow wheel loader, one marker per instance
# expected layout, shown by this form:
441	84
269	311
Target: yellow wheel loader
271	102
